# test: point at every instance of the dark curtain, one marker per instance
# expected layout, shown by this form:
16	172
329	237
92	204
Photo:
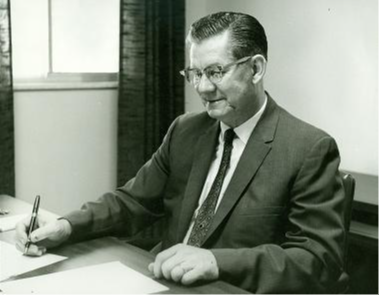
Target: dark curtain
151	92
7	174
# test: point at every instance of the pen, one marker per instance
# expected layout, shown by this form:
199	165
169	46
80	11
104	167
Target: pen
33	221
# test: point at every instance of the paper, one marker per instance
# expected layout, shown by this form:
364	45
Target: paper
13	262
106	278
9	222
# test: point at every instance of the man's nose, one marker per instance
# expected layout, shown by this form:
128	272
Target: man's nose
205	85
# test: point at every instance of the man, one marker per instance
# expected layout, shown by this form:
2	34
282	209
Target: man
249	193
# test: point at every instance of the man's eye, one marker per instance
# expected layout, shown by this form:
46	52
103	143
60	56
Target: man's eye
215	73
197	73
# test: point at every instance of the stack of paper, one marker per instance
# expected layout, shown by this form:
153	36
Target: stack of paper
107	278
9	222
13	262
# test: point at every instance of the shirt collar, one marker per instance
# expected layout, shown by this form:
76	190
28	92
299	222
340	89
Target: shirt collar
244	130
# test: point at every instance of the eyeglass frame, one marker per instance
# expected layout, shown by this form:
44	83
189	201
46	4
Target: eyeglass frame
221	69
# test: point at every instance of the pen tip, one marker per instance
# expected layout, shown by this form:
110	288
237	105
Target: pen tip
26	249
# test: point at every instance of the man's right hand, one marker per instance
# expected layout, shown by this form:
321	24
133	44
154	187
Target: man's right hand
48	233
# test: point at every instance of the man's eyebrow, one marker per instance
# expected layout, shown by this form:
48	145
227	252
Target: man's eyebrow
211	65
214	64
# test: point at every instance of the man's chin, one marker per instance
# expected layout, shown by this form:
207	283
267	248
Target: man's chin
218	110
216	114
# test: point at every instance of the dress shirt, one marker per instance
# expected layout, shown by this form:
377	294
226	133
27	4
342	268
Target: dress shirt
241	138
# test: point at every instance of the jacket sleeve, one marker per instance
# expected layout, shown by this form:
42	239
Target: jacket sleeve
310	258
130	208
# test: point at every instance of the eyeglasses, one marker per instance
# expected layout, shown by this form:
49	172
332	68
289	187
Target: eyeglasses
214	73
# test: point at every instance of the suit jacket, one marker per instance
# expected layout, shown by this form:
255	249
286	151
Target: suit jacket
279	227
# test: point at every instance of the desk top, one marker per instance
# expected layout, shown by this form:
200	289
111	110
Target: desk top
366	189
105	250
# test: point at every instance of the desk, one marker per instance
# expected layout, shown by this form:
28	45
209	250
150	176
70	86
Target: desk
104	250
366	192
364	224
363	236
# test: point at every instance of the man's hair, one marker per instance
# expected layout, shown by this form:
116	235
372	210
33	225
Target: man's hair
247	36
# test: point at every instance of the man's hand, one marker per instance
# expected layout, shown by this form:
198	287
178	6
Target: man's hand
185	264
49	233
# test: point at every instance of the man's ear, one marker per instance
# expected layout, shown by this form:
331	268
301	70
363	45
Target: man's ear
258	67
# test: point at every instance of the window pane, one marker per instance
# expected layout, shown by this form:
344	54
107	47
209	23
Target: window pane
30	42
85	35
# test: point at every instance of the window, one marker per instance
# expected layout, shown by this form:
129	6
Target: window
85	35
64	38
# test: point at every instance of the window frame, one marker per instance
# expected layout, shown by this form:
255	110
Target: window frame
65	80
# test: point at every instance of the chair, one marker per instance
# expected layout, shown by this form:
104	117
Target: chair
349	189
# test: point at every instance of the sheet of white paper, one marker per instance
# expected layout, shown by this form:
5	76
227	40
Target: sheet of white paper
13	262
107	278
9	222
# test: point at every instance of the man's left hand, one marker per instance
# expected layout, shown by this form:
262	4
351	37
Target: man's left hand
185	264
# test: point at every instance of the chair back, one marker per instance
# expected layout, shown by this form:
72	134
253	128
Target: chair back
349	188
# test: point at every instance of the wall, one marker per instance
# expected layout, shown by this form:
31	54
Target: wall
65	146
65	139
323	67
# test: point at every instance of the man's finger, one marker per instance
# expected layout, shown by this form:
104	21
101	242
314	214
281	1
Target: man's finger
191	276
33	250
187	266
42	250
21	229
177	273
170	263
42	233
161	258
20	246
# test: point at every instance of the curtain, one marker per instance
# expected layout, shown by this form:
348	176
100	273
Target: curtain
7	173
151	91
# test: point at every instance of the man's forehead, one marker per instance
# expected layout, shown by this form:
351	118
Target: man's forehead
213	50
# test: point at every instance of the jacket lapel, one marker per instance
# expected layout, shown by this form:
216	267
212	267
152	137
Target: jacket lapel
255	152
203	155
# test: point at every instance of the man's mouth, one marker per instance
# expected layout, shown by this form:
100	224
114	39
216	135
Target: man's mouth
214	100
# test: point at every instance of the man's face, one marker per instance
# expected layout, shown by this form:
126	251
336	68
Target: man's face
232	100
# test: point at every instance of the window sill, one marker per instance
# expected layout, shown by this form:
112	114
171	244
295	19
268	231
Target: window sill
68	82
40	86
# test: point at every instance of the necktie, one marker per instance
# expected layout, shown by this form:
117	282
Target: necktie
206	212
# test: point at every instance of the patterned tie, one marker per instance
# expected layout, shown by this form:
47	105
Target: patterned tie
206	212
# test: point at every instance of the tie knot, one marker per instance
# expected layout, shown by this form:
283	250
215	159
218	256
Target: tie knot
229	136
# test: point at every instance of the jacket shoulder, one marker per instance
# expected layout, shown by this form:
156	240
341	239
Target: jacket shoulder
297	129
194	122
